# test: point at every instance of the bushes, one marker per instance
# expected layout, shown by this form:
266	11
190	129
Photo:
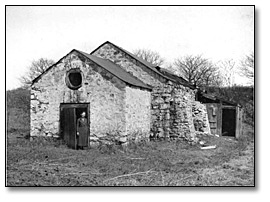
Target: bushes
249	113
18	110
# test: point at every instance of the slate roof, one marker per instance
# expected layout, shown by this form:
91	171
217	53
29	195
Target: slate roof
177	79
125	76
216	99
147	64
116	70
109	66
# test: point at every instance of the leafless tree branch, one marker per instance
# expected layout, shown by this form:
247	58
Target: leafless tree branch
36	68
197	70
150	56
247	67
227	69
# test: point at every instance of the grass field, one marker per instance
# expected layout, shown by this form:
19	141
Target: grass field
50	163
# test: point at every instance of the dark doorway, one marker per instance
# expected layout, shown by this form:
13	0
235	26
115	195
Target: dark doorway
228	122
69	114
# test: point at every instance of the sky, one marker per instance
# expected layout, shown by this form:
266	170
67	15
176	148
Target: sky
216	32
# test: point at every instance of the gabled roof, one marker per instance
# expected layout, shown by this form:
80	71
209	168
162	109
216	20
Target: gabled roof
145	63
148	64
116	70
109	66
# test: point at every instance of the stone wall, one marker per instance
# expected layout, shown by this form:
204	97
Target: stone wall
171	109
161	100
200	118
104	92
138	116
117	111
129	64
181	112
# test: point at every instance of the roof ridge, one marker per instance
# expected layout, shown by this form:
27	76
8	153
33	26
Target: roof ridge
142	84
133	83
136	58
127	72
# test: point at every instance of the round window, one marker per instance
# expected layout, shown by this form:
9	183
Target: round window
74	79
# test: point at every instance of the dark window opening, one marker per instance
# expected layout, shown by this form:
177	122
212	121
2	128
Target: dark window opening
74	79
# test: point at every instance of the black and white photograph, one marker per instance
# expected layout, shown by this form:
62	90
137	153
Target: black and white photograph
130	96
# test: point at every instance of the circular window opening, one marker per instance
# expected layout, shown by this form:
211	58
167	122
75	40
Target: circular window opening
74	79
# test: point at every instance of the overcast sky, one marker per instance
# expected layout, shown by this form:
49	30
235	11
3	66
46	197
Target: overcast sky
216	32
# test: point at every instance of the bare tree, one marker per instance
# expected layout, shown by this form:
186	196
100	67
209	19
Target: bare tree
36	68
247	67
150	56
227	70
197	70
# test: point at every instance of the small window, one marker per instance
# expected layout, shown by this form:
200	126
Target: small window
74	79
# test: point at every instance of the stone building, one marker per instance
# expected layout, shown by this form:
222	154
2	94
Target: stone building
116	103
126	98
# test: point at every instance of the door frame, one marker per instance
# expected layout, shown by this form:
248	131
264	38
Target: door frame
236	118
74	106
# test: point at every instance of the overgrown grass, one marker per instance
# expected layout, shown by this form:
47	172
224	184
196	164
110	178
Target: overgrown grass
49	163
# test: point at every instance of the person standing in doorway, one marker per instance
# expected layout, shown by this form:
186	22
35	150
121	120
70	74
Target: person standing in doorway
82	131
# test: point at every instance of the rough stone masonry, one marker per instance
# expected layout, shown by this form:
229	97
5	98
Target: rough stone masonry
171	105
118	110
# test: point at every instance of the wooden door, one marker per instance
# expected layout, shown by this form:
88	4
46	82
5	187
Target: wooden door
239	116
68	123
69	114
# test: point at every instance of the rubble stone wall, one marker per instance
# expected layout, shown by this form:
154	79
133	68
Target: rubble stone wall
200	118
117	111
104	92
171	109
181	112
138	116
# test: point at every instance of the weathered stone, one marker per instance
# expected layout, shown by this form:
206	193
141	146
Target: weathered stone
200	117
164	106
123	139
108	114
117	110
138	113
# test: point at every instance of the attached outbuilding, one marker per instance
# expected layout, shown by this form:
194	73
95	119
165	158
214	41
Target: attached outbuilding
225	117
117	104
